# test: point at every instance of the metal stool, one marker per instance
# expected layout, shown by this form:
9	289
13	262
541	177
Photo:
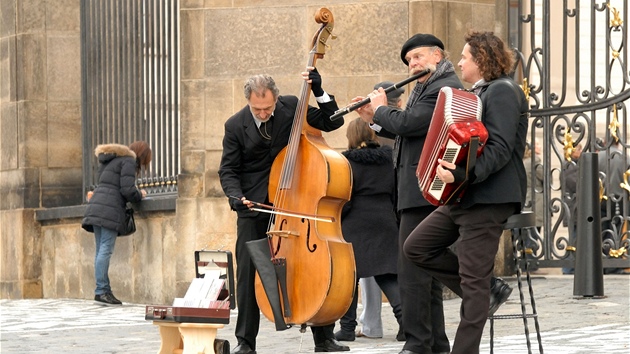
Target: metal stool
518	224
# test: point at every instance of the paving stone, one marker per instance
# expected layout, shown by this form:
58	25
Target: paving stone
568	324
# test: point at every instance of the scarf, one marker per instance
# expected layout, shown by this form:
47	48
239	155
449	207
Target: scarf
443	67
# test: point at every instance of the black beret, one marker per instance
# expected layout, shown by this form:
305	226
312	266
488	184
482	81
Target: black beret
394	93
419	40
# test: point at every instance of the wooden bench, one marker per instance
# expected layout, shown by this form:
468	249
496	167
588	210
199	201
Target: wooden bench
187	338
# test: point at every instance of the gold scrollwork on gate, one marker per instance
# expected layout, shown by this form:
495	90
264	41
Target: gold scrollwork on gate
616	21
568	145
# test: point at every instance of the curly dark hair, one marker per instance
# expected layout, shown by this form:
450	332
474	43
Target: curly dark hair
490	54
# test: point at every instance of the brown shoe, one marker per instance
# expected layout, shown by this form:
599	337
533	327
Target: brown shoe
361	334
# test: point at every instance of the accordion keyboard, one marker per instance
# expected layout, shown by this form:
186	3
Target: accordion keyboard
450	154
455	121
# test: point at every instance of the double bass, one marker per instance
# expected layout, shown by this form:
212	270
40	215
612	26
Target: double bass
317	267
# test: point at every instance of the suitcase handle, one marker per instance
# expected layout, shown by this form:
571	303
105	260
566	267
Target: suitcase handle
159	313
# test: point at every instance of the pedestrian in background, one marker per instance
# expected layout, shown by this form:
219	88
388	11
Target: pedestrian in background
533	168
570	184
119	166
368	220
371	294
613	165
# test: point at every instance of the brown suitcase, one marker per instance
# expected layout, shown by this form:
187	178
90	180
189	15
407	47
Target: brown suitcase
187	314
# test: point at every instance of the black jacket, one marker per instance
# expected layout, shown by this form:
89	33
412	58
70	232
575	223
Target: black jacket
116	187
412	126
499	174
247	159
368	220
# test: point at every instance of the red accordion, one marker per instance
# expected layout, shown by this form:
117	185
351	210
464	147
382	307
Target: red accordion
455	128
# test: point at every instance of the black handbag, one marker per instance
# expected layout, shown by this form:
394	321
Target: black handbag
129	225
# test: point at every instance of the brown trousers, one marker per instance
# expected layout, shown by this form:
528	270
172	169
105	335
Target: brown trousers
477	230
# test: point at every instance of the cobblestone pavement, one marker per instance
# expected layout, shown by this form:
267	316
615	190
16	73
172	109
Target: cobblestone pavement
568	324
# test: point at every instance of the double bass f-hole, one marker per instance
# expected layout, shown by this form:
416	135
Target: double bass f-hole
307	239
279	243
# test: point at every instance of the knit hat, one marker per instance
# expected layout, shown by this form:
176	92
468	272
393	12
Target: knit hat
394	93
419	40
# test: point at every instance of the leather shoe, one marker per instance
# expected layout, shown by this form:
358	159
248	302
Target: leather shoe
243	348
406	351
344	336
331	345
499	293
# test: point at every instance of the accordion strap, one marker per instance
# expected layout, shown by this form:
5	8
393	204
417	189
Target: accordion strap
471	160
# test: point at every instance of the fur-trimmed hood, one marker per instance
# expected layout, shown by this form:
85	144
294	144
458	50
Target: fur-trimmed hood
115	149
111	151
370	155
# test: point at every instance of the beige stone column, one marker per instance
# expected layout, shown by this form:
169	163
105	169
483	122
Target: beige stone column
40	129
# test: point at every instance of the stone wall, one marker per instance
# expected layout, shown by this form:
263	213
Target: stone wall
222	43
140	269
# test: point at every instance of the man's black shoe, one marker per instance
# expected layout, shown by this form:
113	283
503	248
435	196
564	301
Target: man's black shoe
107	300
499	293
243	348
345	336
331	345
406	351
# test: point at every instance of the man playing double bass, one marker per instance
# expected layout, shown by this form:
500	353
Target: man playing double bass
253	138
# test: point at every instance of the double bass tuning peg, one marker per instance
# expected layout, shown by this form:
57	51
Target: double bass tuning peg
328	45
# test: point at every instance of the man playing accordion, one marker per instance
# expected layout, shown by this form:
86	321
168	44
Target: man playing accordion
496	190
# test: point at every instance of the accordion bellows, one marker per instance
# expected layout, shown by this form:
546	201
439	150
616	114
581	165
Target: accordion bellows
455	123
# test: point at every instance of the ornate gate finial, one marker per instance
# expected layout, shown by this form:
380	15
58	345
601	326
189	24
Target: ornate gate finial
616	21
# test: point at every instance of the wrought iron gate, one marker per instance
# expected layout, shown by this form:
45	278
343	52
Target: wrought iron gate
574	66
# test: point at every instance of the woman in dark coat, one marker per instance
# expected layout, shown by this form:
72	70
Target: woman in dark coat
368	220
105	214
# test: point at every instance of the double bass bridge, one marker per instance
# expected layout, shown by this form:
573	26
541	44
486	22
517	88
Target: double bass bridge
282	233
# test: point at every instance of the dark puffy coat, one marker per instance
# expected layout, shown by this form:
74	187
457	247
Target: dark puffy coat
368	220
116	187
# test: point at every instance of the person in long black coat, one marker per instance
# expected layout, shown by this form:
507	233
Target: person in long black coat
368	220
105	213
250	146
421	294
